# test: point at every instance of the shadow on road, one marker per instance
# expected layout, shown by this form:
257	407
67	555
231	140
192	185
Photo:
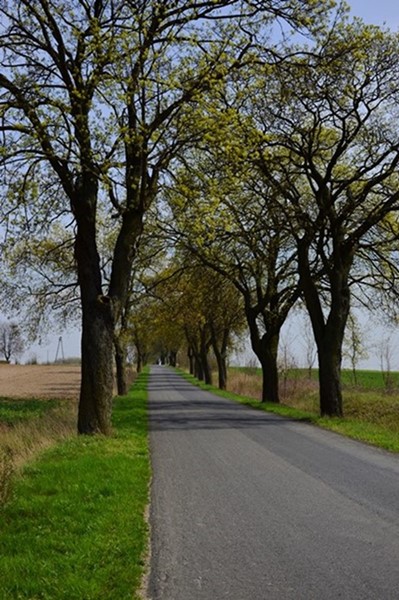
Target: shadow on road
176	404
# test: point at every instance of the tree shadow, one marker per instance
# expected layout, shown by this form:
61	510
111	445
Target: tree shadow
199	409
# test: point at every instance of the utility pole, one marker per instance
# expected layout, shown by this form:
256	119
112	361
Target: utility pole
60	349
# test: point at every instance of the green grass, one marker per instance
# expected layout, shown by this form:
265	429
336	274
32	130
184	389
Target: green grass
17	410
370	417
75	528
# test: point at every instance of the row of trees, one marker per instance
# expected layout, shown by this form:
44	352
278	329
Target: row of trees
93	99
295	193
271	164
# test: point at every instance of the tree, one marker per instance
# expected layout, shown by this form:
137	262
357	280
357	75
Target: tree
198	307
11	341
331	150
228	220
354	348
90	101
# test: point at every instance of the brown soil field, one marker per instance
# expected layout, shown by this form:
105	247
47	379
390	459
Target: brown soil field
39	381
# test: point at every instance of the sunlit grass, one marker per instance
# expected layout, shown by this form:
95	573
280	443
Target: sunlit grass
74	527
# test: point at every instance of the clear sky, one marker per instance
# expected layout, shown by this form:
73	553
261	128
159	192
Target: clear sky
378	12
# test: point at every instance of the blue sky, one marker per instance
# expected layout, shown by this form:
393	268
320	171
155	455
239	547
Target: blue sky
377	12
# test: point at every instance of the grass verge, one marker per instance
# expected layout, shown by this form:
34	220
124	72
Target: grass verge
377	434
74	527
14	411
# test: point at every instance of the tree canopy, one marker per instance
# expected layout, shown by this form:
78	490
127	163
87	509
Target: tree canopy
92	96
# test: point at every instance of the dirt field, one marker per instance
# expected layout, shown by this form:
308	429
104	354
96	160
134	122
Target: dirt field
39	381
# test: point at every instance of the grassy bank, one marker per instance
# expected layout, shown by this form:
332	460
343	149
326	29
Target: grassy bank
371	415
74	526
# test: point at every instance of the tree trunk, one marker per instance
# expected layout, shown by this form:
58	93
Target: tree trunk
268	360
204	358
220	354
120	363
206	368
96	391
222	372
330	382
328	332
139	362
172	358
198	368
266	349
191	361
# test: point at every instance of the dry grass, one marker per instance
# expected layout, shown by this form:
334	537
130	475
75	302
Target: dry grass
22	441
244	383
299	393
27	438
371	405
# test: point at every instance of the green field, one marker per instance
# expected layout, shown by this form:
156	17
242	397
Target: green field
14	411
74	527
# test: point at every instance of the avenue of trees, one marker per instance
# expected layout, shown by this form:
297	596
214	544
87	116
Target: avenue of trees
91	95
174	171
303	183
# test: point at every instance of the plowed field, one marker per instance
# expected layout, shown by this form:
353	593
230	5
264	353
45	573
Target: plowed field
39	381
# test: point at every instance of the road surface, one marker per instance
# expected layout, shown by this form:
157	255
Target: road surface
249	506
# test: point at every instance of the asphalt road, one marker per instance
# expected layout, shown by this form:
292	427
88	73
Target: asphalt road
248	506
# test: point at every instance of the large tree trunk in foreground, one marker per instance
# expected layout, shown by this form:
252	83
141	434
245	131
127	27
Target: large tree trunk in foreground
96	390
95	405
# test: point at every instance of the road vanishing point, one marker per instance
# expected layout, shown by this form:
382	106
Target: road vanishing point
250	506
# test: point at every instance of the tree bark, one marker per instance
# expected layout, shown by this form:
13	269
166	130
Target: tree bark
328	330
206	368
222	371
266	349
204	358
198	368
96	391
268	358
221	357
330	383
120	363
329	340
